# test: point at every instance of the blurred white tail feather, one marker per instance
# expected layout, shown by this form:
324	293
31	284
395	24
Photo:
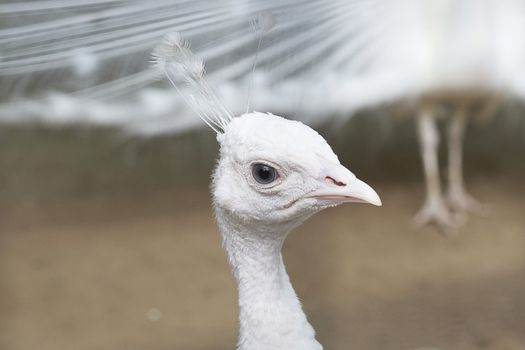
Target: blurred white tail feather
318	59
262	24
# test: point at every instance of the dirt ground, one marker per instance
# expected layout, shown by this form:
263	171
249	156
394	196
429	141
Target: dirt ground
148	273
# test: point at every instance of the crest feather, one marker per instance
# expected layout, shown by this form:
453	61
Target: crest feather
174	59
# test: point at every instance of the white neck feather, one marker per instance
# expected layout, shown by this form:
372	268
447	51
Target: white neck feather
270	314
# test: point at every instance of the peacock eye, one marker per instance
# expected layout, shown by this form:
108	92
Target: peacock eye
264	174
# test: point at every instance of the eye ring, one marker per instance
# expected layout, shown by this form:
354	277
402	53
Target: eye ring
264	174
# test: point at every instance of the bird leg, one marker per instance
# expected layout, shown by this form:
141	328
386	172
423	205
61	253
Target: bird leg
434	210
458	198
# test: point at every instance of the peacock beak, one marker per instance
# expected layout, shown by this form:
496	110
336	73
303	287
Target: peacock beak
340	185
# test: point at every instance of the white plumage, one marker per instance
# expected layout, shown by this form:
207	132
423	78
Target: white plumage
264	186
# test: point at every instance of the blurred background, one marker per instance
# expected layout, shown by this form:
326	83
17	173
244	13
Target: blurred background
107	236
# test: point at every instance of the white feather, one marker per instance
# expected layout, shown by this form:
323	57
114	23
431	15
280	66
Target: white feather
185	71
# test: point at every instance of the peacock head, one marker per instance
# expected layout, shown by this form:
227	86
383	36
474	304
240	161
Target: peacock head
273	170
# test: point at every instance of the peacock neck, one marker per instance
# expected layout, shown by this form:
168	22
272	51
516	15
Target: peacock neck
270	314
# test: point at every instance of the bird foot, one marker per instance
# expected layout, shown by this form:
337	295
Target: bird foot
438	214
462	202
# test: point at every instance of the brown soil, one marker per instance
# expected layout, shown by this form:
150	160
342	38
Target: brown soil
149	273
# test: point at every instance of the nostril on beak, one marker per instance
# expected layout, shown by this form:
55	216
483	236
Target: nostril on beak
334	181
